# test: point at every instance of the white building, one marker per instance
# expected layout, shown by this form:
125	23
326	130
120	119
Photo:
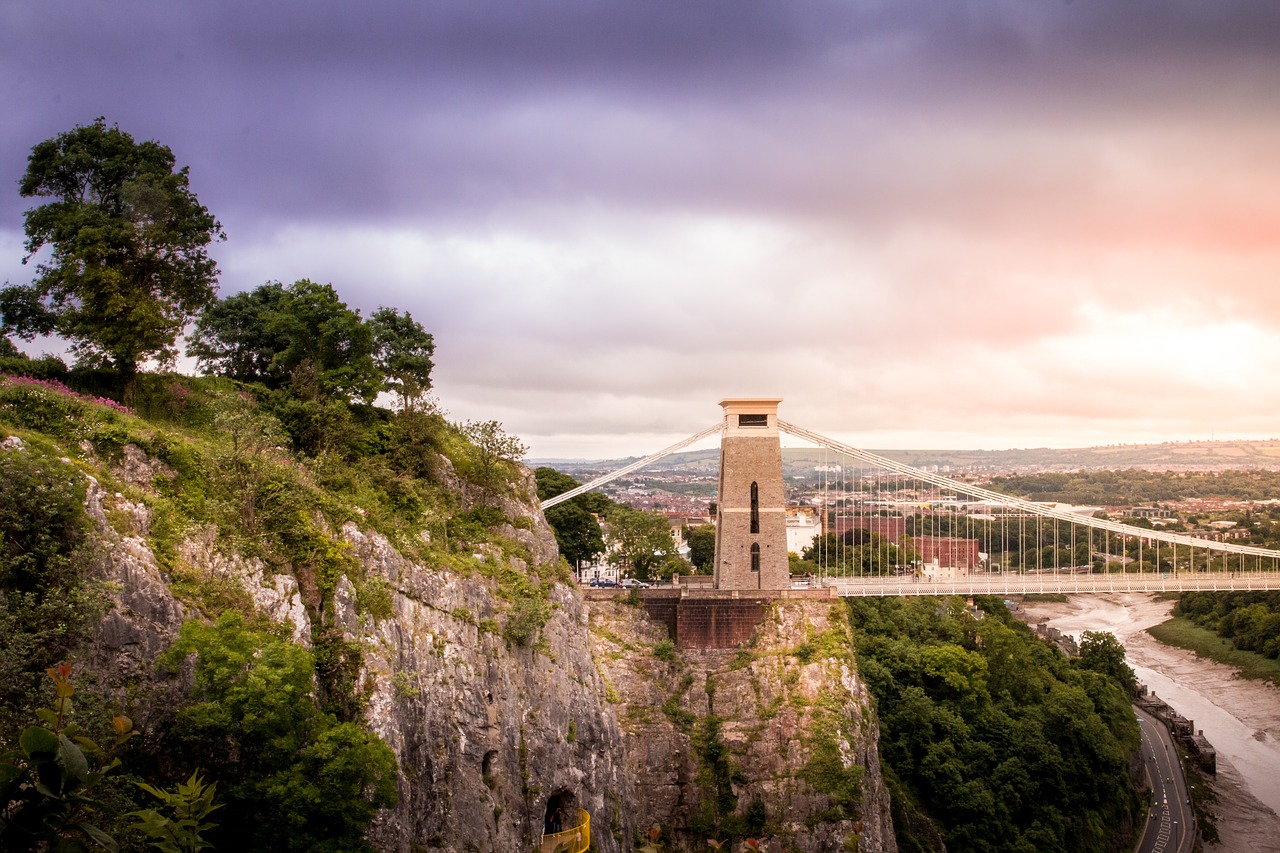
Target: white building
803	527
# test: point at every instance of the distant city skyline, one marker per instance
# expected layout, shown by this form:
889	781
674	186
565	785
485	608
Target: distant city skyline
923	225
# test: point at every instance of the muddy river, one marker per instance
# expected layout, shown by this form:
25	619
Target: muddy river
1241	718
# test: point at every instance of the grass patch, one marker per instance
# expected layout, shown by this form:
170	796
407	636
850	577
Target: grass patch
1045	596
1185	634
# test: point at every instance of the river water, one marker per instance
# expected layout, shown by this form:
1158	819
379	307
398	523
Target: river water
1241	718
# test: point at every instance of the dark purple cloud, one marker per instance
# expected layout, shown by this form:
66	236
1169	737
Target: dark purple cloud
436	110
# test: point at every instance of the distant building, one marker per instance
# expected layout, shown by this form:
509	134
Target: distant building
947	553
803	527
890	527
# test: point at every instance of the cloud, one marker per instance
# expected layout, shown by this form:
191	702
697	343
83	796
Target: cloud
978	222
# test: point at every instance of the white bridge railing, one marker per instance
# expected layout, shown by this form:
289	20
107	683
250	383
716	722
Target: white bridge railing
1048	582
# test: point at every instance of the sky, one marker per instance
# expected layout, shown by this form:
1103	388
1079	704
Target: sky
922	223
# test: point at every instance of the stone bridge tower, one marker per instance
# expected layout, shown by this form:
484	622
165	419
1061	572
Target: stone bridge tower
751	527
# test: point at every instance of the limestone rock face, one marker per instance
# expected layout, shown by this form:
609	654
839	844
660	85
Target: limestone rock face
488	733
777	740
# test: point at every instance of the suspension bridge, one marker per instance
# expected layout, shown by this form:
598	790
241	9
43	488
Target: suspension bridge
887	528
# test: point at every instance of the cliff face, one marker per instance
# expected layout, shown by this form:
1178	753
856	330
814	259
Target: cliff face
488	733
776	740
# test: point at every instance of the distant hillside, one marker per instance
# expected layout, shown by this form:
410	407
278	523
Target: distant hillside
1170	456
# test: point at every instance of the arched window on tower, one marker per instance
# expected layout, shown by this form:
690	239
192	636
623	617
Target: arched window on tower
755	507
755	556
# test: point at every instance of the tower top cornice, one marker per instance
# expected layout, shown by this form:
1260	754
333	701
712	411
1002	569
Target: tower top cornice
755	405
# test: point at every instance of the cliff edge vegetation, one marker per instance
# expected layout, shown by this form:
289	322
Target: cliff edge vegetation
336	613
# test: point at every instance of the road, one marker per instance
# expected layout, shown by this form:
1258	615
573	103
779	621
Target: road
1169	816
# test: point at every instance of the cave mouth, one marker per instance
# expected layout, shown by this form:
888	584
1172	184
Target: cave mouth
562	812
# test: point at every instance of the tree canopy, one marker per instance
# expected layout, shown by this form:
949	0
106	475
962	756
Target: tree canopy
304	338
292	776
300	335
128	264
402	351
702	546
991	733
642	539
574	522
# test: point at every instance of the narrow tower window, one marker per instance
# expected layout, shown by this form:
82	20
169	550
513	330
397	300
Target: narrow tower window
755	507
753	420
755	556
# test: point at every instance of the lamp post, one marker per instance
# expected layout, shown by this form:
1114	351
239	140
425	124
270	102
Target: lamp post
1177	840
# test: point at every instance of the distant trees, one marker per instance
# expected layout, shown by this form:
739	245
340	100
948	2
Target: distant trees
858	552
642	540
575	521
128	265
1250	620
702	546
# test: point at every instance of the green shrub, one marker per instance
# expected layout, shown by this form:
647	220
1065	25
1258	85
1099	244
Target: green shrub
47	603
525	620
293	777
374	597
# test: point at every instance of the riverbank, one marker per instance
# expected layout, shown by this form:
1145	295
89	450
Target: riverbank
1185	634
1240	717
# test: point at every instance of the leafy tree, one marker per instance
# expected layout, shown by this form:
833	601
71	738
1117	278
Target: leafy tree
642	539
492	453
672	564
129	264
301	336
232	337
1101	652
702	546
294	778
402	351
575	521
329	349
577	533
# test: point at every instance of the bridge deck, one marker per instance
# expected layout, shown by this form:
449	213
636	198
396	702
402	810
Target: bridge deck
1022	584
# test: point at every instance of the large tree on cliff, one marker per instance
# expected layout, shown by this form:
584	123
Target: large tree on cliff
300	336
128	266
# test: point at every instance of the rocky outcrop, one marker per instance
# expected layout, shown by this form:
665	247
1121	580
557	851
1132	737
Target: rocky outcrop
489	734
776	740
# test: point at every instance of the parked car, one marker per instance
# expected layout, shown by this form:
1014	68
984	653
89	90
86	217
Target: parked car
602	582
632	583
